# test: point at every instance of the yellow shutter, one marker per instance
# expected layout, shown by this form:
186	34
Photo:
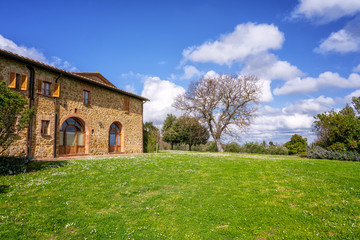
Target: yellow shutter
56	92
39	86
12	80
23	82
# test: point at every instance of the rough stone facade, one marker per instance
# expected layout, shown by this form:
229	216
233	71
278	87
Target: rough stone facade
108	105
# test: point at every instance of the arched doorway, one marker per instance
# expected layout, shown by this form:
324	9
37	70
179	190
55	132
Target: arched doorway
115	137
72	137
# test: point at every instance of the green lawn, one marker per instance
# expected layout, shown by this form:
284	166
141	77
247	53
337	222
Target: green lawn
183	196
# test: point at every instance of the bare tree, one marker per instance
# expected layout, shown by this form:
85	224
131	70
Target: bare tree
222	101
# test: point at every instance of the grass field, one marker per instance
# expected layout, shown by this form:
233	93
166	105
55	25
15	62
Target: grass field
183	196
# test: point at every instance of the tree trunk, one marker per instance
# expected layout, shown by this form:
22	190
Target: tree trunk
172	146
189	147
218	144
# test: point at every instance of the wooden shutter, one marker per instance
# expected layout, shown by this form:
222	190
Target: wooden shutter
23	85
89	97
56	92
39	86
126	104
12	80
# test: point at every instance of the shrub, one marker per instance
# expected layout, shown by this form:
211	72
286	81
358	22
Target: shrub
316	152
233	147
211	147
337	147
297	144
10	165
277	150
253	147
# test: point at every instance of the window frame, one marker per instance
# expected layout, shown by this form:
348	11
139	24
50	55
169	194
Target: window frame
45	128
44	90
86	97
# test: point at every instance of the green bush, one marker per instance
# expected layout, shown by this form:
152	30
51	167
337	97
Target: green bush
253	147
277	150
10	165
233	147
211	147
297	144
316	152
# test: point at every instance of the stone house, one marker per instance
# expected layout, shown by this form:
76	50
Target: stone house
75	113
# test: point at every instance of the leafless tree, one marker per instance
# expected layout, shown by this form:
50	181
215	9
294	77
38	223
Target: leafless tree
221	102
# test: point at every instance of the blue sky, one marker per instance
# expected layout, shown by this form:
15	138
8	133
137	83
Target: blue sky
305	52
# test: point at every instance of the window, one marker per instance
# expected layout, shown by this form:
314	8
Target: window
86	97
17	81
45	127
48	88
45	88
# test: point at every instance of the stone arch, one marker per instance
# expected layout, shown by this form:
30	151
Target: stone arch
70	122
116	137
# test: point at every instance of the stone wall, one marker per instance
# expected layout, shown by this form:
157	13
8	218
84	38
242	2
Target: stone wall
106	106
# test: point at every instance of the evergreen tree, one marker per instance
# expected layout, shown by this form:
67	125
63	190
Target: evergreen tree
169	135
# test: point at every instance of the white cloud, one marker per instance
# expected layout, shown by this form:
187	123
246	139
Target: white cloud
310	106
190	72
324	11
349	97
161	94
268	66
342	41
266	95
35	54
32	53
325	80
246	40
211	74
357	68
130	88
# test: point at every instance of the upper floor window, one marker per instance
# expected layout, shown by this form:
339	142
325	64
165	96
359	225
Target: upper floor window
17	81
86	97
46	88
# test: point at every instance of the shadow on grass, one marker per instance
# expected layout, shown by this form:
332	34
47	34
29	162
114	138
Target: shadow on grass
4	188
42	165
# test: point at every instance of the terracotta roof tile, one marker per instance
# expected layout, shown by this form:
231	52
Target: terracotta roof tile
81	76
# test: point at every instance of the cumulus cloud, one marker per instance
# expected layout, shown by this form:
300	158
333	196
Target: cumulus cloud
326	11
246	40
32	53
357	68
325	80
349	97
268	66
273	124
279	124
35	54
341	41
310	106
161	94
190	72
211	74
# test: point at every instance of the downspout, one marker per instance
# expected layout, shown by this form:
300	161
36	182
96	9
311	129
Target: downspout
55	120
31	104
